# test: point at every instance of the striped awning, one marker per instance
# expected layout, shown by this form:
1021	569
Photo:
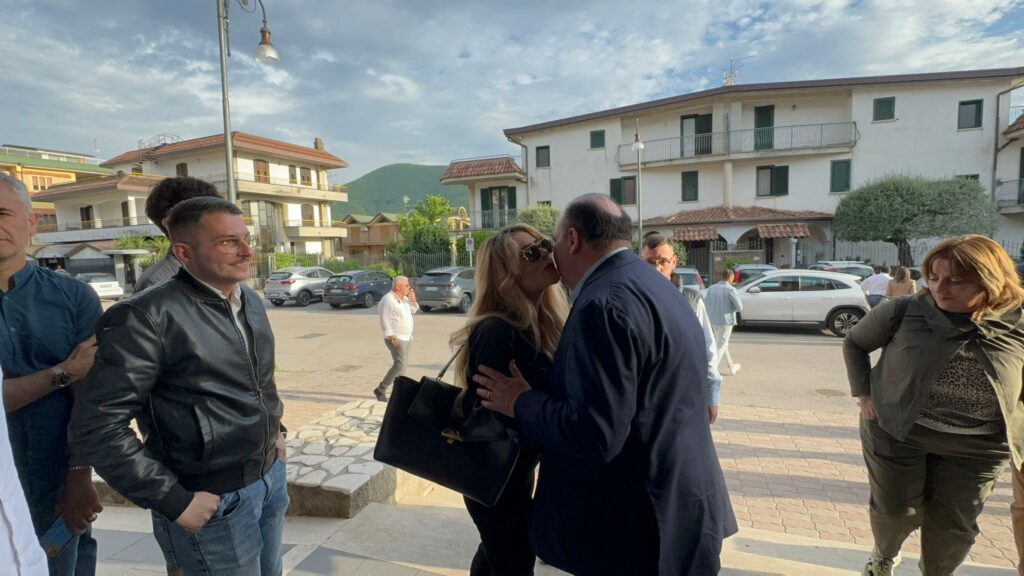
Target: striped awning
797	230
695	233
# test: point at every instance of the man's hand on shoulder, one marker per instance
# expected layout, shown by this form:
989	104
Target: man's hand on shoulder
80	505
79	362
199	511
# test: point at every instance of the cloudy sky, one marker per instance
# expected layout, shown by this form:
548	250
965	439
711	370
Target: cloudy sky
429	81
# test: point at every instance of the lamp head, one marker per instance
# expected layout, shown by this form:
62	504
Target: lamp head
265	52
637	143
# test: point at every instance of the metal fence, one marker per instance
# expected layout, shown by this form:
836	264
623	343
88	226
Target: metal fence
879	253
395	263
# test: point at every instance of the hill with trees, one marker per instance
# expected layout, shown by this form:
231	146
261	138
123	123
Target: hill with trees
385	190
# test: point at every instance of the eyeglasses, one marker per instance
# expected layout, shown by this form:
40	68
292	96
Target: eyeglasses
659	262
531	252
233	245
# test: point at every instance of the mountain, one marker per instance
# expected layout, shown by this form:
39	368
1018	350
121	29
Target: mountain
383	190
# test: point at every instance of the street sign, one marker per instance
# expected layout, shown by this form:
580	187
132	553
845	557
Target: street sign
469	244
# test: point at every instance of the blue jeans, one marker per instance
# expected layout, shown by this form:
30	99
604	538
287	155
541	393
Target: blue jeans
79	559
242	538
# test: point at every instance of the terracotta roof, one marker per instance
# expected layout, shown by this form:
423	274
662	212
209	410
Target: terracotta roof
241	141
795	230
722	215
830	83
137	182
498	166
1017	124
695	233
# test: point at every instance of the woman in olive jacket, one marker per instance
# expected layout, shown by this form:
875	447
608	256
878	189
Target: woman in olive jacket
941	411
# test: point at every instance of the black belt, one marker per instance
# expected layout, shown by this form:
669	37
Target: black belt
229	479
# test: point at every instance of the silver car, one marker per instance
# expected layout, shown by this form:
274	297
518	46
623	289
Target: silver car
452	287
302	284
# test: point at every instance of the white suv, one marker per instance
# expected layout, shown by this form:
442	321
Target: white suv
829	299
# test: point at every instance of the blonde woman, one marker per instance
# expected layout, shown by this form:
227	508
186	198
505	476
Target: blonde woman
941	412
518	316
901	284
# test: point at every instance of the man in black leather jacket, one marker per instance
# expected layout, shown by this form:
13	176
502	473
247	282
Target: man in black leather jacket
192	360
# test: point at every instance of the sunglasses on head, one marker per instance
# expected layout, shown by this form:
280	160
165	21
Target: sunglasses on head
531	252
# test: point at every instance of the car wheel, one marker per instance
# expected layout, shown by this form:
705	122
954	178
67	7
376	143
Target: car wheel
465	302
304	298
277	302
425	308
335	305
368	300
841	322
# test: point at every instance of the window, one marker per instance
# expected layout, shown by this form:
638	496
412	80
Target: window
623	190
840	179
884	109
41	183
293	175
543	156
262	169
597	138
969	115
181	170
815	284
307	176
780	284
772	180
690	186
124	213
548	202
137	169
85	215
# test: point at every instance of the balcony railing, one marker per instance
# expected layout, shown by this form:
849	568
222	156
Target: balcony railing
314	223
93	224
248	177
48	155
482	219
779	138
1010	193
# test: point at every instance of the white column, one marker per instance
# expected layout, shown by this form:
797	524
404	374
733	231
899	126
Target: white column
727	184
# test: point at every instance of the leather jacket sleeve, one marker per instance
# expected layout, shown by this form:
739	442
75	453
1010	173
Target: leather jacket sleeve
127	365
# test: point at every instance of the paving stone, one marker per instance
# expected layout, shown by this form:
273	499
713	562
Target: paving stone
315	448
309	435
314	478
310	460
346	483
335	465
369	468
357	413
305	470
339	450
359	450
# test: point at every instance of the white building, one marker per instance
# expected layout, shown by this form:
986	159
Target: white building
770	162
282	189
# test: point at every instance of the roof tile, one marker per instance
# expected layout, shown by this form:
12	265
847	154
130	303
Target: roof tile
501	165
241	140
723	215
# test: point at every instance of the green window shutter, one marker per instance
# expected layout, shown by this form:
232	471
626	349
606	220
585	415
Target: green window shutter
615	189
884	109
977	113
597	138
485	200
510	197
690	186
543	156
780	181
840	181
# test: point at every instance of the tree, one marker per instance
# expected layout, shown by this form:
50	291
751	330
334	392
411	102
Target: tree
898	209
432	210
157	246
543	218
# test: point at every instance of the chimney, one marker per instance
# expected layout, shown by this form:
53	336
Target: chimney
318	143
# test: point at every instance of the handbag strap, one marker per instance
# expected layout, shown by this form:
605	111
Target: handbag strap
440	375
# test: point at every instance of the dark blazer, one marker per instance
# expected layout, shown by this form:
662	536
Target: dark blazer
630	482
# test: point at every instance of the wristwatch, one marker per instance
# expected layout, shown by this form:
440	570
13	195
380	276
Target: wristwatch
61	378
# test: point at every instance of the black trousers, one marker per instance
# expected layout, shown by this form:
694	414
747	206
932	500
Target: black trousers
505	548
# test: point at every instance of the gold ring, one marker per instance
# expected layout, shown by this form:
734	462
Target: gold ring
93	518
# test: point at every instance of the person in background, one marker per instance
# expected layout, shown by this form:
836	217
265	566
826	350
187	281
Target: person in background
164	196
723	303
875	285
1017	507
659	252
396	309
517	317
901	284
941	411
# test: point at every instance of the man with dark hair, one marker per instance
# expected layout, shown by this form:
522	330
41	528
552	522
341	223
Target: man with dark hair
47	322
874	286
165	196
193	361
630	482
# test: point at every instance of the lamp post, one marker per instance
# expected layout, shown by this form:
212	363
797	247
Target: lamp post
265	52
638	147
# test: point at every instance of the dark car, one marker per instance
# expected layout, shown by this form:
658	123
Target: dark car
452	287
356	287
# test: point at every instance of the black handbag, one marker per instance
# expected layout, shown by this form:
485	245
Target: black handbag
473	455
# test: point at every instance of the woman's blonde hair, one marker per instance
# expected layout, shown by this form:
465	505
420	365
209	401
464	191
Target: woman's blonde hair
980	260
901	274
498	295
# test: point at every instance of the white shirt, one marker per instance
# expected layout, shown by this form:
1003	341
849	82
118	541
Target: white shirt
876	284
19	548
396	316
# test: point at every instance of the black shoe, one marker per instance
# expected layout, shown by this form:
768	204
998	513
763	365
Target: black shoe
381	396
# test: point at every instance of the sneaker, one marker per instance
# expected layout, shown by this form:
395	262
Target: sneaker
381	396
880	566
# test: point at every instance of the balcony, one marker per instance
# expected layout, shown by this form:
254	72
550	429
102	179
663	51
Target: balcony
260	187
92	230
807	138
314	229
483	219
1010	197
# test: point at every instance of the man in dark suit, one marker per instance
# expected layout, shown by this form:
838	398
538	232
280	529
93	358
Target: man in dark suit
630	482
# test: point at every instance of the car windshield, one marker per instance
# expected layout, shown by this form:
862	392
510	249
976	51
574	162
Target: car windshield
436	277
689	278
280	276
339	280
750	280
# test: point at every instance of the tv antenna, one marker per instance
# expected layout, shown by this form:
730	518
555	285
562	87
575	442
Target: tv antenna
729	78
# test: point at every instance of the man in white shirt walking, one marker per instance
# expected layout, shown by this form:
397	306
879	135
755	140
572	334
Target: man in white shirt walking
396	310
874	285
723	302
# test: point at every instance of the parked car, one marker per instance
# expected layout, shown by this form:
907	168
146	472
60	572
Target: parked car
828	299
446	288
356	287
105	284
854	267
690	277
744	271
303	284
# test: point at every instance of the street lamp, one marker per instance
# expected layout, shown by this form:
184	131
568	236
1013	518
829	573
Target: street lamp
265	52
638	147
